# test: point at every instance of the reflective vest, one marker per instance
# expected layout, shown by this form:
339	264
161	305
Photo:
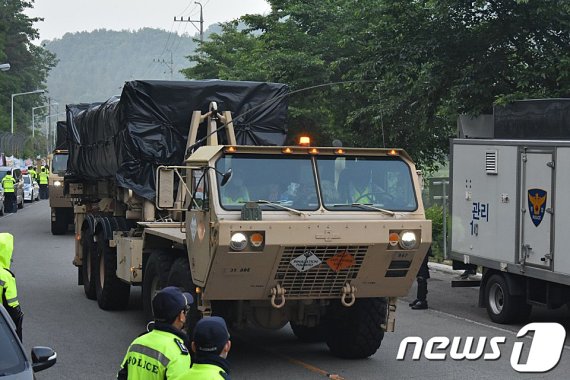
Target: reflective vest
205	372
8	291
43	178
242	197
8	183
33	174
157	355
362	196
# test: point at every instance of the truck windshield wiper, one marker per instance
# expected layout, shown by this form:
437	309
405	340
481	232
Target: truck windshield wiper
369	206
279	205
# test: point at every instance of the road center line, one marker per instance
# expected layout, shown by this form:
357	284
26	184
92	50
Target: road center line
298	362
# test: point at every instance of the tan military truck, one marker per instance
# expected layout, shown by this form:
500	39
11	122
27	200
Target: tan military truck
322	238
60	204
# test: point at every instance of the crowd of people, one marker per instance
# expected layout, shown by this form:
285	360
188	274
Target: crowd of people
9	185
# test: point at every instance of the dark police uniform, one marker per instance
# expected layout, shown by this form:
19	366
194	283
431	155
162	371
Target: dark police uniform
210	337
423	274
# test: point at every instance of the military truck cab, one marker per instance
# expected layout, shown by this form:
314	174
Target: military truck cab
312	236
60	203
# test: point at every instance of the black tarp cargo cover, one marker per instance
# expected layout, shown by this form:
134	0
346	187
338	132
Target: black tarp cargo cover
61	142
536	119
127	137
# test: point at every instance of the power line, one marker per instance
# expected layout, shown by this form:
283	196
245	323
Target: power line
170	64
201	21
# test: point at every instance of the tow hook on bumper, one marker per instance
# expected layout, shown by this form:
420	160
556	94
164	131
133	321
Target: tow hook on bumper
278	291
348	291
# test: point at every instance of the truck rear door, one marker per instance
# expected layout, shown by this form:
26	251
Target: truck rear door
537	167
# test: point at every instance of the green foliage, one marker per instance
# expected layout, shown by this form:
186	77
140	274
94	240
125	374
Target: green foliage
409	67
435	214
94	65
29	63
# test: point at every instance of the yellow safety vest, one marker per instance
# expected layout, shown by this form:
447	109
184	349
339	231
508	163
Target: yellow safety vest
8	290
43	178
157	355
363	196
8	183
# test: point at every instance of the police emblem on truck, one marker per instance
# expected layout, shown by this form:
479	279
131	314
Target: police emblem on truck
536	205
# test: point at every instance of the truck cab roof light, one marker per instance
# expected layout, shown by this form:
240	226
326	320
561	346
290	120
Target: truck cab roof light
393	152
231	149
313	151
304	141
287	150
339	151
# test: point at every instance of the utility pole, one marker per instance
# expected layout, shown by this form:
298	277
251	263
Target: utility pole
201	21
170	64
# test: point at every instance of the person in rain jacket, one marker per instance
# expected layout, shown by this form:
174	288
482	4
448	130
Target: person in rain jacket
8	290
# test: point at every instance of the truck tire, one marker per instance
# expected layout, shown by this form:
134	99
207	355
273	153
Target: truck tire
181	277
308	334
155	278
59	226
112	293
88	267
502	306
355	332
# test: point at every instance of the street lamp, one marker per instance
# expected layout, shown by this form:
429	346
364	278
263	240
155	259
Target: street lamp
4	66
34	116
12	106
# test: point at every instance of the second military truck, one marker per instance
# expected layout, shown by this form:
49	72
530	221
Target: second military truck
189	184
60	203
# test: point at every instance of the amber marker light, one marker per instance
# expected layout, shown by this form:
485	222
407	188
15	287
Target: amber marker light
287	150
198	290
393	152
313	151
394	238
78	237
304	141
256	239
231	149
339	151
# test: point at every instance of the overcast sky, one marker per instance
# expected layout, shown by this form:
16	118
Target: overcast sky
63	16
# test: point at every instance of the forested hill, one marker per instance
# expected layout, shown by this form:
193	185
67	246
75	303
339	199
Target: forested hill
94	65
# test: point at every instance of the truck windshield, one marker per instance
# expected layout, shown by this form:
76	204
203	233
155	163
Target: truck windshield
59	163
348	182
285	180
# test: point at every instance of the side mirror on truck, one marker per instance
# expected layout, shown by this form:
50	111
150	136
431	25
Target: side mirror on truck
165	187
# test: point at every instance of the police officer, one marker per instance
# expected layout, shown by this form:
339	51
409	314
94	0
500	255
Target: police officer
211	345
9	184
161	353
8	290
420	303
43	183
33	173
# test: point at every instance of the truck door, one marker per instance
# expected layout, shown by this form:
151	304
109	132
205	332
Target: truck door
536	208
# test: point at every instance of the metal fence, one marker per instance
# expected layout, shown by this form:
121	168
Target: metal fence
19	144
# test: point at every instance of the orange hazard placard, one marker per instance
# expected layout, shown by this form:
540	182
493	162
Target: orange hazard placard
341	261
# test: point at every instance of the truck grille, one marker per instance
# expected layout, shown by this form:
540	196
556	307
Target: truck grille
321	280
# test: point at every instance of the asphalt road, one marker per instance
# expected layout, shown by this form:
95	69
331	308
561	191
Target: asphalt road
91	342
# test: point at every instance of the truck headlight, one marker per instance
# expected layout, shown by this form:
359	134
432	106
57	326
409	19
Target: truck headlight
408	240
238	241
57	183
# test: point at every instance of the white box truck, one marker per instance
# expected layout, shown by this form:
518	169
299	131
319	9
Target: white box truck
510	207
